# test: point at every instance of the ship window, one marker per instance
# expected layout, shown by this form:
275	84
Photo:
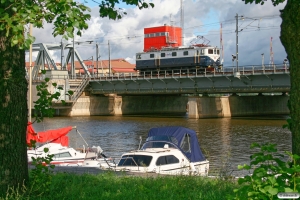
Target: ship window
185	144
62	155
163	55
164	160
218	51
210	51
162	138
185	53
174	53
152	55
160	144
134	160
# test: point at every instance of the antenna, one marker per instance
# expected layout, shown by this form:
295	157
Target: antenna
182	22
173	37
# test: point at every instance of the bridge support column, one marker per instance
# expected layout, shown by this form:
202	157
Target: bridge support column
115	106
208	107
193	107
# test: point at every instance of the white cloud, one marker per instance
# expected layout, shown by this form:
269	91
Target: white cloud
200	18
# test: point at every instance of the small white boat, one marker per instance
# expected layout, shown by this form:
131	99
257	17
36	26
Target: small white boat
167	150
57	143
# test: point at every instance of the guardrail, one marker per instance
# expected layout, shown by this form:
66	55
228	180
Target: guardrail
243	70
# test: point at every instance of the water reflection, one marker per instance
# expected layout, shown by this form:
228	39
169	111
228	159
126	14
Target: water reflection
224	140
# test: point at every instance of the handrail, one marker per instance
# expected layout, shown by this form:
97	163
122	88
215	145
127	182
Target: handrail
78	91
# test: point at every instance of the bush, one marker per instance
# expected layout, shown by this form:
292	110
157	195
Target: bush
271	174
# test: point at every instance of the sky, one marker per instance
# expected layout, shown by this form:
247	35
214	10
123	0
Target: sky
257	24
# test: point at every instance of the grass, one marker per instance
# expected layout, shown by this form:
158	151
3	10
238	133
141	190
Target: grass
110	186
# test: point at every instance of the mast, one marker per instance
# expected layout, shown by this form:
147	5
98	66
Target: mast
30	74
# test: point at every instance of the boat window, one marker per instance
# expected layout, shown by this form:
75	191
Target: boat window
186	143
218	51
160	144
164	160
162	138
163	55
174	53
152	55
135	160
210	51
185	53
62	155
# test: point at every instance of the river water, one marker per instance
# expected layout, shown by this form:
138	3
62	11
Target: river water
224	141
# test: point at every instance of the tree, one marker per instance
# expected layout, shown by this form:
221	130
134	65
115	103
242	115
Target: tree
15	15
290	32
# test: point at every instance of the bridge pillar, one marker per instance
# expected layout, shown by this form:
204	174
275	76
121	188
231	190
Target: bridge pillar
115	102
193	107
208	107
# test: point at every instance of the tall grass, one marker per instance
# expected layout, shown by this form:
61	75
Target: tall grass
110	186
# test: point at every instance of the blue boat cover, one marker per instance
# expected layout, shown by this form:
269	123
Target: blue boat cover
195	154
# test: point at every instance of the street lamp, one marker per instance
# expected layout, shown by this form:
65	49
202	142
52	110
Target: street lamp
285	62
233	59
262	60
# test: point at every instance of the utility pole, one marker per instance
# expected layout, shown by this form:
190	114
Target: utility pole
73	57
97	56
237	44
62	56
109	72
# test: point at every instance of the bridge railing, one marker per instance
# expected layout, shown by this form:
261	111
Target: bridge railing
226	71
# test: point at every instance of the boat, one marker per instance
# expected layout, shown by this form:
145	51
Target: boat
57	143
171	150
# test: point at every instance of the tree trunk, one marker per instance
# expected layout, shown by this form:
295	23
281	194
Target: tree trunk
13	116
290	33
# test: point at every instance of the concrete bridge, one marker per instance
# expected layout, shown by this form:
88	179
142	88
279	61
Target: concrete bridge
251	91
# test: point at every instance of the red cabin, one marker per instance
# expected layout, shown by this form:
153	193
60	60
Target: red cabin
162	36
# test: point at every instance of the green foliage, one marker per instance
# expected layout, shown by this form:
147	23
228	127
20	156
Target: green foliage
271	174
43	106
66	16
107	7
41	175
262	2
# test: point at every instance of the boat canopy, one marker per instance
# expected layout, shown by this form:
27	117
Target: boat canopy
56	135
185	139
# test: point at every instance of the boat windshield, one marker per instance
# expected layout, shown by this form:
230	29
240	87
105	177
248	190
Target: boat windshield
157	144
135	160
162	138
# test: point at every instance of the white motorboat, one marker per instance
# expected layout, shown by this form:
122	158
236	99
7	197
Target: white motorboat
56	141
167	150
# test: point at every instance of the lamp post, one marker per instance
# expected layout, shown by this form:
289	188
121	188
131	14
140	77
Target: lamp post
233	59
263	61
284	62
